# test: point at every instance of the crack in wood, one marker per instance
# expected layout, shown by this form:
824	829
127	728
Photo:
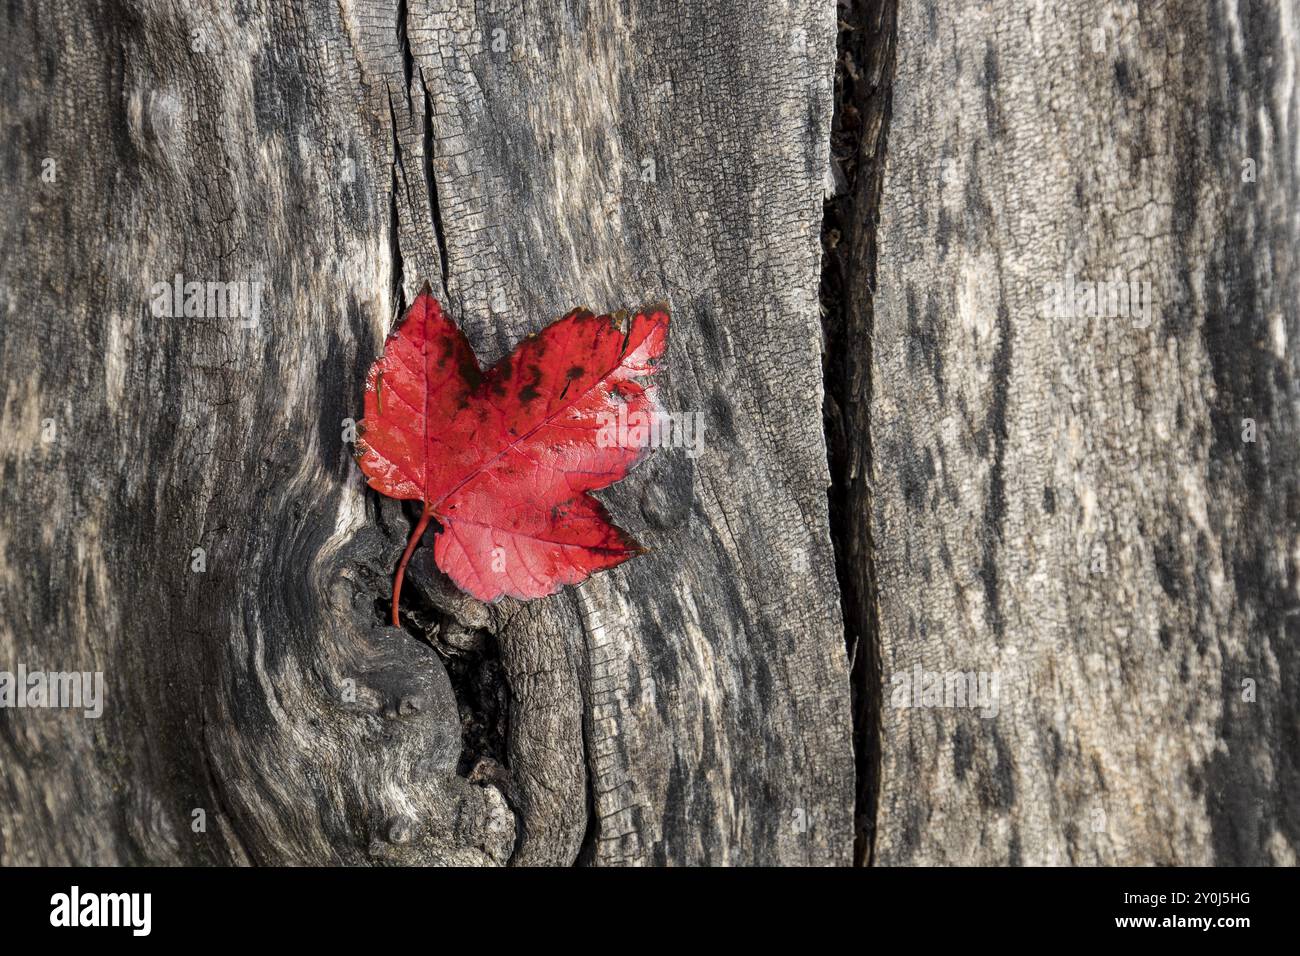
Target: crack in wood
863	86
431	186
395	226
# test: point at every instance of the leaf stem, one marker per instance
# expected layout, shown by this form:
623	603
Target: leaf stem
423	523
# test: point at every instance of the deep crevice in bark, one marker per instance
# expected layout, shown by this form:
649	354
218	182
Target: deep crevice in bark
404	43
395	225
863	86
431	186
479	680
587	850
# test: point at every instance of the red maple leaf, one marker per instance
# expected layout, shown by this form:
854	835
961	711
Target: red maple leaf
504	459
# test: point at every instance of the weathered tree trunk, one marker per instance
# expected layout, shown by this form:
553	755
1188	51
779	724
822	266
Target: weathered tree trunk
1064	506
1068	503
691	706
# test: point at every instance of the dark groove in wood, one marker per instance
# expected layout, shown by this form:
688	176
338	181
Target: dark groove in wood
863	85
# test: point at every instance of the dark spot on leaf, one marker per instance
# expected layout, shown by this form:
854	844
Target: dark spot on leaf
469	369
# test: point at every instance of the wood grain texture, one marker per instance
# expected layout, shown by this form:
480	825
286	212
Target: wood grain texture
688	707
1068	502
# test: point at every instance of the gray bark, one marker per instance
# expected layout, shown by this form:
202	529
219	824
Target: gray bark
1069	503
689	707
